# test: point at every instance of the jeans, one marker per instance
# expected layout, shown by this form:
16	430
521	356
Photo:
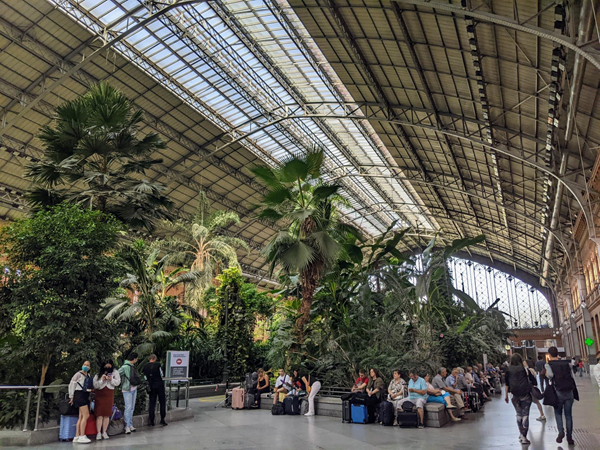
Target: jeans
129	398
565	403
314	389
522	405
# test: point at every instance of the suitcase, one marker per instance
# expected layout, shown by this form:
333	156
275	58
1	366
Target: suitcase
386	413
291	405
237	398
90	427
277	409
408	419
303	406
68	428
359	414
346	412
249	401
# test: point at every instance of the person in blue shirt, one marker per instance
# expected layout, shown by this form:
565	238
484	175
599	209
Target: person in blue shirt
417	394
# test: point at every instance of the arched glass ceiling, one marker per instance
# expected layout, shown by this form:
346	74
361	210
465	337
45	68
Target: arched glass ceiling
242	64
527	306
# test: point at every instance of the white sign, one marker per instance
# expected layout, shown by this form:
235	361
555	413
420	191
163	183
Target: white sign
179	363
485	361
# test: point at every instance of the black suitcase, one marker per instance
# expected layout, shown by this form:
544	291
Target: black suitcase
346	412
386	413
291	405
408	419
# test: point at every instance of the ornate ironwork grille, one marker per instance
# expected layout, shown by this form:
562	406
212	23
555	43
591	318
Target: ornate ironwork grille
527	306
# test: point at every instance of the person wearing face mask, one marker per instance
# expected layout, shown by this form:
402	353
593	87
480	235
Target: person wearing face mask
79	393
104	384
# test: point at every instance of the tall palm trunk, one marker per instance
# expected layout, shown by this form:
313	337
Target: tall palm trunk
309	278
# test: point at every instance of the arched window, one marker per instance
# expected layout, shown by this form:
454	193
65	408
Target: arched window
527	306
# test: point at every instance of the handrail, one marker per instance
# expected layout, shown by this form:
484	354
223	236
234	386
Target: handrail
15	388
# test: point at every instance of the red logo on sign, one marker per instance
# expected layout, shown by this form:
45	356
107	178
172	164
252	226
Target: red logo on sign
178	361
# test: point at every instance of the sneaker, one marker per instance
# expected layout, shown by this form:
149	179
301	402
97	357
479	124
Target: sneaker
456	419
521	437
75	439
163	423
127	430
421	426
309	414
541	419
132	429
104	435
99	437
83	440
560	437
525	441
451	407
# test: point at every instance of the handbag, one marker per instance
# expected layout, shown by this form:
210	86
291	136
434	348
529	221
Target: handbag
536	393
550	397
576	394
116	414
67	409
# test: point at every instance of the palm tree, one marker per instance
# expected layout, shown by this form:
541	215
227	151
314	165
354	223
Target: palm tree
93	155
316	236
200	245
153	313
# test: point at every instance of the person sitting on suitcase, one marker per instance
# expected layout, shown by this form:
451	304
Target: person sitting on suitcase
440	396
417	395
283	385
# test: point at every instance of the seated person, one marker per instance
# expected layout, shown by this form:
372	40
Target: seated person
297	384
462	383
439	396
444	383
480	384
469	376
283	385
374	388
361	382
396	389
417	394
262	385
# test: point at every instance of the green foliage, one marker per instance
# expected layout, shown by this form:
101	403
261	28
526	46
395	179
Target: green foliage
95	156
65	255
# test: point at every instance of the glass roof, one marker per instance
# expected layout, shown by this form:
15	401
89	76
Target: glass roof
244	65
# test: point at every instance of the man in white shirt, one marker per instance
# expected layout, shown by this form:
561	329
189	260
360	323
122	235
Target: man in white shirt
282	385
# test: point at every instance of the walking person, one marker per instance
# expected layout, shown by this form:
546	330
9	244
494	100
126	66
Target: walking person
313	386
540	368
580	368
560	374
79	393
129	389
153	372
518	383
104	385
542	417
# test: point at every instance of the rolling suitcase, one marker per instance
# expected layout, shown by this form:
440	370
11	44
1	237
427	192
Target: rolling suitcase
90	427
359	414
68	428
346	412
386	413
291	405
408	419
237	398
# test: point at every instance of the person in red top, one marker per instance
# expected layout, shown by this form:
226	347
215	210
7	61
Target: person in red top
361	382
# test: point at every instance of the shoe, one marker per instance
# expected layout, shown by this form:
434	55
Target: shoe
541	419
421	426
456	419
451	407
525	441
104	435
132	429
309	414
560	437
75	439
163	423
127	430
151	424
98	437
570	440
83	440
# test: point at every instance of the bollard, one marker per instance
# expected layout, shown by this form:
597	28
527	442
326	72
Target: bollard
37	413
187	395
27	409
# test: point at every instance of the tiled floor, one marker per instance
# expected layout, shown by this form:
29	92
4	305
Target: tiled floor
495	428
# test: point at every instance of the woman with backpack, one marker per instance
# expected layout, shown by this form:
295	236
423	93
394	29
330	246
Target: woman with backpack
79	393
518	382
131	380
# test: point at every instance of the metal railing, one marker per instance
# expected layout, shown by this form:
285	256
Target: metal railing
40	389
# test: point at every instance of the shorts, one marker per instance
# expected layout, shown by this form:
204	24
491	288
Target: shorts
419	402
81	398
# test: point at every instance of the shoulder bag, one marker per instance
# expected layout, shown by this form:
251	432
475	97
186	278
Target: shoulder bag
550	397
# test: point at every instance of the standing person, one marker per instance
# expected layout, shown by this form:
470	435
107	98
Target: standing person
153	372
518	383
79	393
262	385
596	370
313	386
580	367
129	390
561	375
397	389
104	384
540	368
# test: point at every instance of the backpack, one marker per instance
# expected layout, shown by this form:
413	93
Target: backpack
88	384
277	409
135	379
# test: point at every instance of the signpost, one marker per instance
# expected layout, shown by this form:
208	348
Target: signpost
178	363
